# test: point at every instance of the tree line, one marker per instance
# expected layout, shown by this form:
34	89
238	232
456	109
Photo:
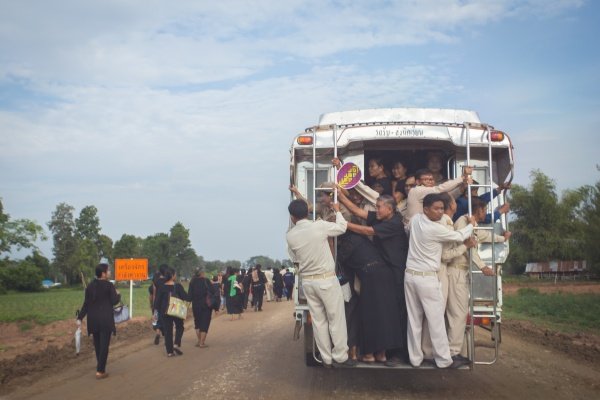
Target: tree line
546	226
549	227
79	244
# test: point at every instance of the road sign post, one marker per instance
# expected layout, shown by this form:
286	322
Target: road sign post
131	269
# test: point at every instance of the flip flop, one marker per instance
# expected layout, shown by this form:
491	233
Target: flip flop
203	346
366	361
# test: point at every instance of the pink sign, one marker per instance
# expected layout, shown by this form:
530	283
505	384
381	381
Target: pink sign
349	175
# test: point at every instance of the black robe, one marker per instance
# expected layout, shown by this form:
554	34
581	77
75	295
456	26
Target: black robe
380	324
100	297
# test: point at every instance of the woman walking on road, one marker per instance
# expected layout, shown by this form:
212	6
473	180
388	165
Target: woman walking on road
100	297
277	284
168	289
200	290
233	294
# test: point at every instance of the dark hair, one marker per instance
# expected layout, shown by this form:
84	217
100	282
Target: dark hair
257	267
477	204
447	199
421	172
401	187
377	160
298	209
100	269
168	275
215	278
163	269
432	198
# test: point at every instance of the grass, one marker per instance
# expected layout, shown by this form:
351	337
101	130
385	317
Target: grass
59	304
565	312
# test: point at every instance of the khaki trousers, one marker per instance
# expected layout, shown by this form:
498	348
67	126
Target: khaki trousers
270	294
424	301
326	305
426	338
457	307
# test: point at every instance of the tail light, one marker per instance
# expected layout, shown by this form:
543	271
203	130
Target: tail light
304	140
497	136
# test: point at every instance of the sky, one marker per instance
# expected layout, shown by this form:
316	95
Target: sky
158	111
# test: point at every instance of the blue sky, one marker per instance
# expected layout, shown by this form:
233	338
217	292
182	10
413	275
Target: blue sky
157	112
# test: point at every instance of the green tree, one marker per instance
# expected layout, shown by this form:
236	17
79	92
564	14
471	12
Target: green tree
20	233
591	230
264	261
88	225
182	257
128	246
62	226
36	258
156	249
106	247
546	227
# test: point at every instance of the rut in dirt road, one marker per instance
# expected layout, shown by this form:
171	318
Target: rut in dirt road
255	358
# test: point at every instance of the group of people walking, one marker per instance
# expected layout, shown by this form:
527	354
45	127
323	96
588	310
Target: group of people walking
400	290
231	291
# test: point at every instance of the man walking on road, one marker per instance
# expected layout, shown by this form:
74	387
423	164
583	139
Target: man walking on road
309	247
288	281
269	288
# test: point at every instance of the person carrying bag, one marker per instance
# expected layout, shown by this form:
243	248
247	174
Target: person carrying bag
172	306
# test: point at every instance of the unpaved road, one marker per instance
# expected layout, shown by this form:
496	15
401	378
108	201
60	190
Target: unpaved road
255	358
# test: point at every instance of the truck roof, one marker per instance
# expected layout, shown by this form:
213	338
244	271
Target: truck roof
386	115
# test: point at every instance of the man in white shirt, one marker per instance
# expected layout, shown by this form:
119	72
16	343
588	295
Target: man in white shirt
421	284
426	185
269	287
308	246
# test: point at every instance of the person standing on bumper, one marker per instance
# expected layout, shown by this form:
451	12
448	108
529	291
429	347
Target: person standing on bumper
422	286
309	247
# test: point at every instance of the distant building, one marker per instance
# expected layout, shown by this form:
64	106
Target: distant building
554	268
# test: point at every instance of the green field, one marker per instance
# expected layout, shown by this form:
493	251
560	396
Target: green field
58	304
565	312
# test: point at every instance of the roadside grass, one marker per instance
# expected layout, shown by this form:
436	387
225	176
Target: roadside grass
565	312
59	304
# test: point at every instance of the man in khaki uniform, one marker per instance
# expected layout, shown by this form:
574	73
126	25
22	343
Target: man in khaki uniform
426	185
457	306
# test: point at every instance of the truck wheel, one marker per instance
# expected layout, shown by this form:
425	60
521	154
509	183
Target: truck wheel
309	360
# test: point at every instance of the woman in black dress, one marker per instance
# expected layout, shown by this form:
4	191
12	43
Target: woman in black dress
380	327
277	284
234	293
100	297
164	292
200	288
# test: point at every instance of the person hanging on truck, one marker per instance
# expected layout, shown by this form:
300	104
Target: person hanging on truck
435	165
379	176
422	287
399	174
309	248
450	250
378	309
457	307
426	185
389	237
462	202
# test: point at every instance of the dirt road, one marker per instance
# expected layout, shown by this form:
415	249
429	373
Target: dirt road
255	358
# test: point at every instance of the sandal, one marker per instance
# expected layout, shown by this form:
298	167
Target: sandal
367	360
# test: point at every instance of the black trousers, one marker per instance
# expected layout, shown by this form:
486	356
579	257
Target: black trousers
101	343
290	291
168	323
258	291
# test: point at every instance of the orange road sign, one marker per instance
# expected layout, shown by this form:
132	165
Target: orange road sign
134	269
